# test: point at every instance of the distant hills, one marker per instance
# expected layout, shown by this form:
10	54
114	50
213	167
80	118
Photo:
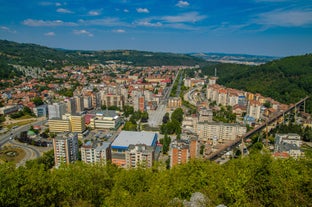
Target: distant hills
49	58
235	58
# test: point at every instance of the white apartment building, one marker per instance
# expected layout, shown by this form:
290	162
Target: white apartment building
220	131
56	110
65	148
139	155
95	152
254	109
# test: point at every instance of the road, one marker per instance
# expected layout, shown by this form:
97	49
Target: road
31	151
155	117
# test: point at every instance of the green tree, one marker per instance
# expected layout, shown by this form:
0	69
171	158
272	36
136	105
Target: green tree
37	100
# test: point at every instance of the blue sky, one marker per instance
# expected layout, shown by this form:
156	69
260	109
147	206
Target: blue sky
261	27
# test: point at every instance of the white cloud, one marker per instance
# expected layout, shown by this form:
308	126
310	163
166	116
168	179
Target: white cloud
182	4
119	31
142	10
103	22
65	11
7	29
126	10
290	18
49	34
83	32
190	17
46	23
94	13
58	4
147	23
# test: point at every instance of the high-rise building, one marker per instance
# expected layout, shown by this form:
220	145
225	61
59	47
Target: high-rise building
87	102
71	105
79	103
96	152
254	109
65	148
140	155
179	152
112	100
56	110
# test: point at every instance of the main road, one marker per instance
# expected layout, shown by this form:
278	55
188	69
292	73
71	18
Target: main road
31	152
155	117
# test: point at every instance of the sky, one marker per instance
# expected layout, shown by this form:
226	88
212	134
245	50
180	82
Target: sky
257	27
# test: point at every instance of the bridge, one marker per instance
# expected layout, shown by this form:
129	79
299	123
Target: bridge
275	119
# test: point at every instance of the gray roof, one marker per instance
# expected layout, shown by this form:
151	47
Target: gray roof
125	138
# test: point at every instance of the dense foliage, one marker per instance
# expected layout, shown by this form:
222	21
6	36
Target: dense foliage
257	180
286	80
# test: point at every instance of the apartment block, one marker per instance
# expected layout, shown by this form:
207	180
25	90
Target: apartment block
65	148
254	109
140	155
219	131
112	100
174	102
179	152
96	152
56	110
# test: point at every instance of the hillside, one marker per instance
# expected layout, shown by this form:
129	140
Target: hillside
286	80
48	58
256	180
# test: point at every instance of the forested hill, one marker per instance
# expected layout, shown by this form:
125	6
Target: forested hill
286	80
44	57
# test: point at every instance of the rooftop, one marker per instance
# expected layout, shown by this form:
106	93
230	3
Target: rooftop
126	138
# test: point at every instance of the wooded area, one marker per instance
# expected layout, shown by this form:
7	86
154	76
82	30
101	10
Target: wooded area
256	180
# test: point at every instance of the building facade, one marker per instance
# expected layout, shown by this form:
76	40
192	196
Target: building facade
140	155
65	148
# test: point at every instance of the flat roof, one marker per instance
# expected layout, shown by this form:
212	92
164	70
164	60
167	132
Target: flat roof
125	138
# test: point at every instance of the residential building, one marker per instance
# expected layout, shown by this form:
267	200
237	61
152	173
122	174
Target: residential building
254	109
112	100
126	138
79	103
174	102
96	152
65	148
87	102
205	115
288	144
71	105
179	152
56	110
140	155
220	131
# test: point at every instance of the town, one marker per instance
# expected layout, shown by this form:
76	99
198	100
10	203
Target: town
135	116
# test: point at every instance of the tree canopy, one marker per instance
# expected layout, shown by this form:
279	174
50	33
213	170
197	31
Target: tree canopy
256	180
